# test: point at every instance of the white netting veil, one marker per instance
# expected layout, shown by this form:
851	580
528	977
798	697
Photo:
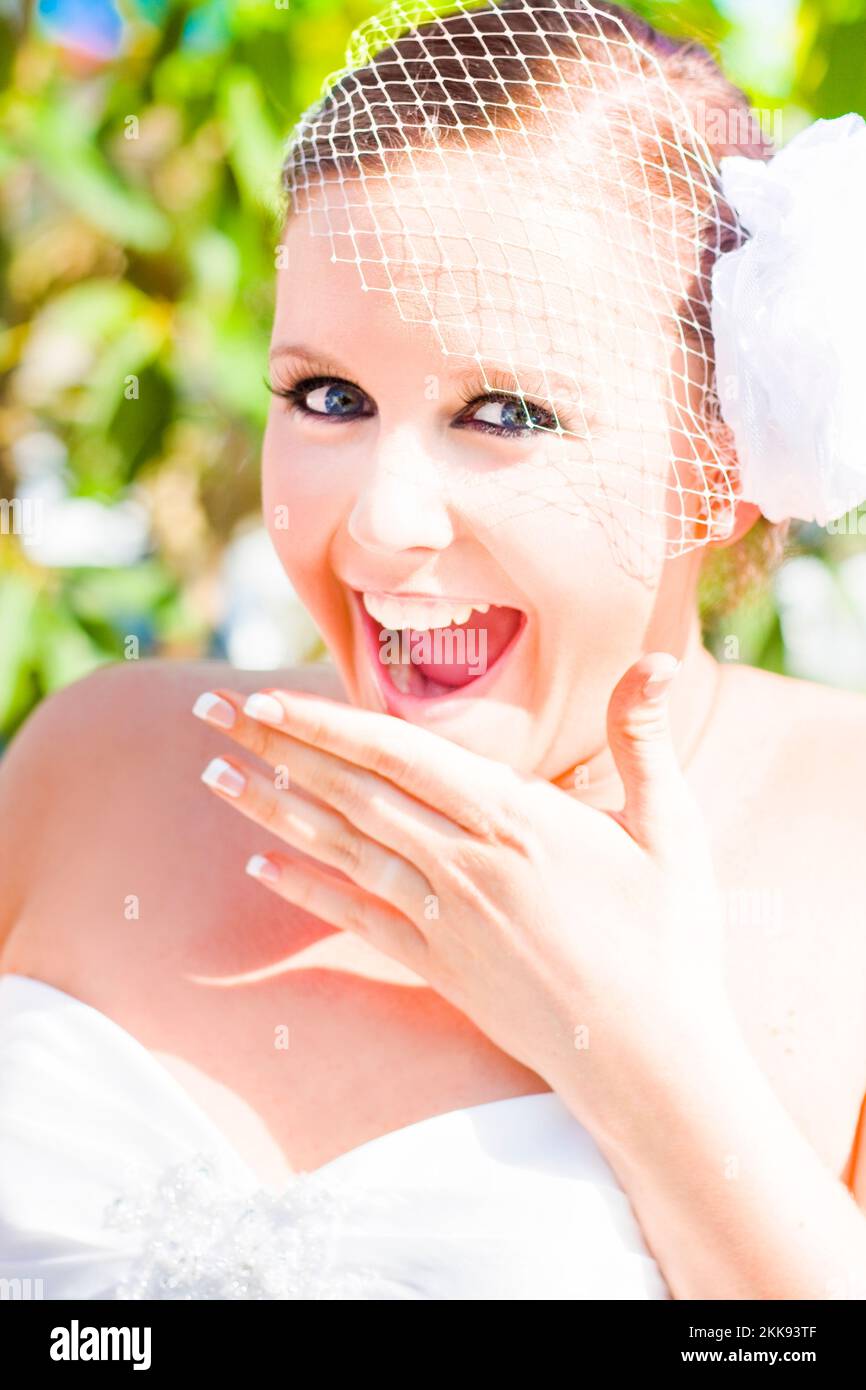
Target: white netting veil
532	182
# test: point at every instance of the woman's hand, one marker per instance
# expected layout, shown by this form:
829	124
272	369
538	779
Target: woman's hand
558	929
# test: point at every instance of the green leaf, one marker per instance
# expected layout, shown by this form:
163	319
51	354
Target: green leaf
65	150
253	144
18	604
64	653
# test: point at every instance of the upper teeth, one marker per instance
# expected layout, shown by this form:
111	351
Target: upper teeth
399	613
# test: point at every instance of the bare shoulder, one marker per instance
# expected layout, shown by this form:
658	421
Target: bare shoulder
782	785
780	780
812	734
97	778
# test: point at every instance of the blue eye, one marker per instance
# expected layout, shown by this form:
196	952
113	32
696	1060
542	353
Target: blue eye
507	415
337	399
328	398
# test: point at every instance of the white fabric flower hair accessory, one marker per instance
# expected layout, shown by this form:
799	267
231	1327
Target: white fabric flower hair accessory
789	323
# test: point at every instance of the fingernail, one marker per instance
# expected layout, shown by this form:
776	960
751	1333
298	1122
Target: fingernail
264	707
656	685
259	867
222	775
214	709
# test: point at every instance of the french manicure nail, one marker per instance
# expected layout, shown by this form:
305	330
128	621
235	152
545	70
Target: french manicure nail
257	866
214	710
224	777
264	707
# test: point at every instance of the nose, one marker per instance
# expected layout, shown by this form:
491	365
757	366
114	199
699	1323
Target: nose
402	503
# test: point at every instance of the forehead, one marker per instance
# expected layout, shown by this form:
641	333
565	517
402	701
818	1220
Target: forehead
512	266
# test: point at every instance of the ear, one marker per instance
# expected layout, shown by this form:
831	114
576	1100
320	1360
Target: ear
745	516
725	518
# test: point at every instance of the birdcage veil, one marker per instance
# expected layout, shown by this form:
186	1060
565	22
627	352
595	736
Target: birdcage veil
526	181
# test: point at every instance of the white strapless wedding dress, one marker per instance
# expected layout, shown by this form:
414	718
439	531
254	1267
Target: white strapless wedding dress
115	1184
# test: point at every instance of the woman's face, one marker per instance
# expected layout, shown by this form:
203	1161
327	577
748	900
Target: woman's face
398	491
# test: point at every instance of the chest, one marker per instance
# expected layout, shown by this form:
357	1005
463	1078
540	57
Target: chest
796	973
369	1048
303	1044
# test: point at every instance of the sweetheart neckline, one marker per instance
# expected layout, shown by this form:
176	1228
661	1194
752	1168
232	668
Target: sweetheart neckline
203	1118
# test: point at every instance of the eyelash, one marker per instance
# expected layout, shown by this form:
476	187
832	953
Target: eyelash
480	393
298	385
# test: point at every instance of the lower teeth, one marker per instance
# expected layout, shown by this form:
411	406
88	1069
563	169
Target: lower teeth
410	681
399	677
405	675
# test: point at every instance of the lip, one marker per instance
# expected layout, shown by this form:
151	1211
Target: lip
411	706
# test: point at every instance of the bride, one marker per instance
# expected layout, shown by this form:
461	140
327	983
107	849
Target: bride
546	978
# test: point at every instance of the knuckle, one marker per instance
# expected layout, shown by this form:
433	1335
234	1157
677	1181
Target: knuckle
269	812
498	816
484	824
346	852
644	724
389	761
515	830
345	789
355	916
316	734
506	824
303	892
259	739
468	860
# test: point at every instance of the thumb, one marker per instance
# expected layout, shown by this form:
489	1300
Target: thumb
659	812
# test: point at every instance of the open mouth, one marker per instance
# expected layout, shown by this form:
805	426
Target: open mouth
433	649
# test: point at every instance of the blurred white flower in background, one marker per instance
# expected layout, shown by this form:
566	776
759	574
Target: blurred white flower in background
259	619
64	531
823	615
264	624
77	531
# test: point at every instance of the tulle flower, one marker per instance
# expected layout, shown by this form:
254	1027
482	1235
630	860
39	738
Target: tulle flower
789	322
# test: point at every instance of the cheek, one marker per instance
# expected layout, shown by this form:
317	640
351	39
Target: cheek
305	496
566	565
592	617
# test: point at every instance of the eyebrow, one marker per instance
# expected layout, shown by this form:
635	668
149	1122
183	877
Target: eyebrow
299	350
525	381
530	382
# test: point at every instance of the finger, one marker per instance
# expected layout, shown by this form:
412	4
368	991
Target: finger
659	811
380	810
321	833
342	905
466	788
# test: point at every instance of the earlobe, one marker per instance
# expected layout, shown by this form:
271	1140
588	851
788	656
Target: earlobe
745	516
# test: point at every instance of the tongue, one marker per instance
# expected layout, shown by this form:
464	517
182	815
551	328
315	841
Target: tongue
467	651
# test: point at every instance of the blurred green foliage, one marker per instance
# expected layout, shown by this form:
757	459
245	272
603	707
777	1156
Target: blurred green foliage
137	244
